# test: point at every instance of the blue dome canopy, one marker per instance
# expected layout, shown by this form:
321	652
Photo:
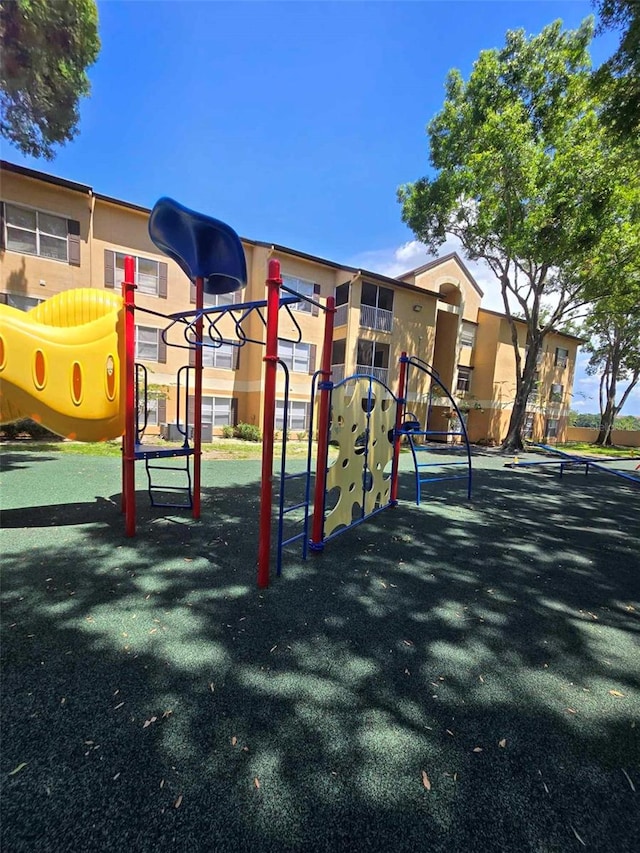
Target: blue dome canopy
201	246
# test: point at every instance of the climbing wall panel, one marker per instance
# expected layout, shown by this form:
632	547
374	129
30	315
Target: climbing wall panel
363	415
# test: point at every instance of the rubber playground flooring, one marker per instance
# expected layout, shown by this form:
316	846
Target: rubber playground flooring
456	676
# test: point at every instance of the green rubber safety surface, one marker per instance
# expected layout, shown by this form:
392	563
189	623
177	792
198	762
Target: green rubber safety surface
458	676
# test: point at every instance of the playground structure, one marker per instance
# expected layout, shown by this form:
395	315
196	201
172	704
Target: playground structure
570	460
80	346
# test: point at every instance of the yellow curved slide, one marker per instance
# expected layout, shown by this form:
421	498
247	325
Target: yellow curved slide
61	364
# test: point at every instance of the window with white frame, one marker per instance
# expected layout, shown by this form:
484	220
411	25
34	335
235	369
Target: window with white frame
551	428
297	357
222	356
464	379
297	416
562	357
217	411
218	299
20	301
527	429
33	232
146	273
555	395
146	344
152	411
304	288
467	334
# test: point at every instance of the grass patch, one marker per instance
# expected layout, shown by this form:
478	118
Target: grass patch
583	448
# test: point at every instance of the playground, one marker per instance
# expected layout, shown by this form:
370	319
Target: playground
459	675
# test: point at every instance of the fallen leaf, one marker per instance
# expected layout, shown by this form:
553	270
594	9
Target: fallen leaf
616	693
407	642
633	787
449	732
245	749
178	802
273	649
481	679
118	706
17	769
575	832
211	686
162	783
571	711
115	777
502	743
477	749
425	780
256	782
234	740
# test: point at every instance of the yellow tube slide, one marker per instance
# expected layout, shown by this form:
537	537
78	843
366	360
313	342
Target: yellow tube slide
62	364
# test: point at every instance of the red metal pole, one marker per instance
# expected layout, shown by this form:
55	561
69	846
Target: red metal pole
197	402
129	441
271	365
323	430
396	441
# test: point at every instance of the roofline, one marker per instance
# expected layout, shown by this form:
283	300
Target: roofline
524	323
436	261
356	271
44	176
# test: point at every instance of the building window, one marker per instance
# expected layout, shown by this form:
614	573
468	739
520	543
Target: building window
556	393
373	359
467	334
217	411
527	429
376	307
146	273
217	299
297	357
152	412
147	346
32	232
297	416
19	301
551	428
464	379
562	357
304	288
223	356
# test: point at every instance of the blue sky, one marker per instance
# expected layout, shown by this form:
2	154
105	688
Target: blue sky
295	122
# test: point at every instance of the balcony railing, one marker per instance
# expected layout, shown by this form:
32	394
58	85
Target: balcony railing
380	373
376	318
337	373
340	317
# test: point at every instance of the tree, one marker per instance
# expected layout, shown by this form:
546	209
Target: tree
524	179
618	79
46	48
613	325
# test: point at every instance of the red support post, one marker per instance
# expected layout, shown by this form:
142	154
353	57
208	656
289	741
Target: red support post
274	281
402	390
197	401
129	439
323	430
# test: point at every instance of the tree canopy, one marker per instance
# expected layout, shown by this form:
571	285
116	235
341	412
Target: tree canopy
618	79
525	177
46	48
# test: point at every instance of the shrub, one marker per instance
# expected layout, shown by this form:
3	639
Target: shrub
27	428
248	432
228	431
301	436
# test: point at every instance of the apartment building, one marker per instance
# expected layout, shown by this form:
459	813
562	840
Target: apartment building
57	234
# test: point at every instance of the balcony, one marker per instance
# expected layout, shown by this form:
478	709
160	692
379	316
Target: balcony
376	318
337	373
379	373
341	315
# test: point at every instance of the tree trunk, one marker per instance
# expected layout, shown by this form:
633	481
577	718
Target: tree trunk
607	416
513	439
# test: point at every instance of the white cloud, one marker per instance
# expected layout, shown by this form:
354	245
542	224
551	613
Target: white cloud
408	256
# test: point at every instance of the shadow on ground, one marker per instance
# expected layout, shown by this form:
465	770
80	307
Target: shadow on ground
456	676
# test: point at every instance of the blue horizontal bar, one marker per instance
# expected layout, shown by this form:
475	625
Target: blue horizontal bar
292	539
438	464
356	523
436	479
295	506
